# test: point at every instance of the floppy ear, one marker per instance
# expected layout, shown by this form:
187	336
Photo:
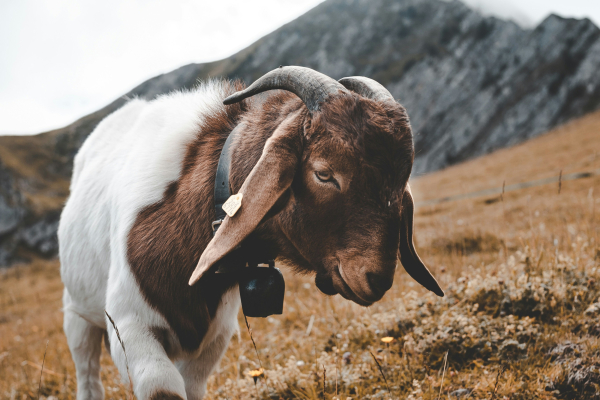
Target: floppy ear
269	179
408	255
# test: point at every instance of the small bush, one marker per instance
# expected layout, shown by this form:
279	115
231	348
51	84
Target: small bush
469	243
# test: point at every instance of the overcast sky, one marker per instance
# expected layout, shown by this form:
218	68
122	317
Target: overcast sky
62	59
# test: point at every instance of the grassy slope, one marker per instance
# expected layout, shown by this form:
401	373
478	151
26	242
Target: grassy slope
29	157
518	274
573	147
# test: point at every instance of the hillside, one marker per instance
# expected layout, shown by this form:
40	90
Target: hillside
519	320
572	147
471	84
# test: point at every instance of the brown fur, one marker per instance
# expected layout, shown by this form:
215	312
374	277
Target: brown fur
161	395
369	145
347	233
168	237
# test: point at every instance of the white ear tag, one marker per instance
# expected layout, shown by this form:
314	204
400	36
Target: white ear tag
233	204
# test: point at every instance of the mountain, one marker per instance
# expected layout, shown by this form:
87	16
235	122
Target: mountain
471	84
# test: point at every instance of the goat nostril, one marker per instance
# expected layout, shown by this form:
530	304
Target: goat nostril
379	283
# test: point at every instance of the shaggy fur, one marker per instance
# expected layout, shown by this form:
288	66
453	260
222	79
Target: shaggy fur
169	236
130	164
325	191
351	229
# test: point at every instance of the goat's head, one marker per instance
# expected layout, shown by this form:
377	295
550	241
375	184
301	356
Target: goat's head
343	162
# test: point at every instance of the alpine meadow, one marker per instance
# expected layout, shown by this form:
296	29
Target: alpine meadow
506	188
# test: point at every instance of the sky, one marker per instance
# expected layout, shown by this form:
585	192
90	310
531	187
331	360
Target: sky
62	59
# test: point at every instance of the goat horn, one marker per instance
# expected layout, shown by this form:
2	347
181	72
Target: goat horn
367	87
311	86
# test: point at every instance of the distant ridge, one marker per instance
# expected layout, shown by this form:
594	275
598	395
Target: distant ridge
471	84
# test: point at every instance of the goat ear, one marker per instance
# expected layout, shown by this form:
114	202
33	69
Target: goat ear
269	179
408	255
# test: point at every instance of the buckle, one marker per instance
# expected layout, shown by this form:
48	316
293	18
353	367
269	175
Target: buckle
215	225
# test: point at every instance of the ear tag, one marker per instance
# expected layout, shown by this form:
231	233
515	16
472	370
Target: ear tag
233	204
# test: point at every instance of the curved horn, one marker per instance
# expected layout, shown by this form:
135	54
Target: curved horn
311	86
367	87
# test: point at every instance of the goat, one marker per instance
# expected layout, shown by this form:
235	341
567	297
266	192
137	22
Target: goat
323	167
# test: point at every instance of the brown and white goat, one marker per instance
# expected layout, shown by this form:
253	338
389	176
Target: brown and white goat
323	167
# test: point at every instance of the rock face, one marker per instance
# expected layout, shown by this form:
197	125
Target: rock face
20	230
12	212
471	84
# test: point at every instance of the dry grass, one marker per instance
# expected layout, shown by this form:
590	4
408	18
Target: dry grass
519	275
29	157
573	147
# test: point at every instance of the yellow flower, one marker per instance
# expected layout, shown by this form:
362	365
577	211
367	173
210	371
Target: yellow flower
387	339
255	373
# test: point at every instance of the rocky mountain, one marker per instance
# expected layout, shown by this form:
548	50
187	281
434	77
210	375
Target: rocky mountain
471	84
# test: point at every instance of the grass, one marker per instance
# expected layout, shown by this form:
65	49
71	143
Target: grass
33	163
520	319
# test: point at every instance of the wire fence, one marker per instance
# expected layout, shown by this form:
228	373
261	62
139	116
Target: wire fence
509	188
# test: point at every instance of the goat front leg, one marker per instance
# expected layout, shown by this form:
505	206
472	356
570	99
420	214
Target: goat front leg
153	374
196	371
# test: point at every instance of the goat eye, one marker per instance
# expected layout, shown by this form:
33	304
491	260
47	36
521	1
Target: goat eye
327	177
323	176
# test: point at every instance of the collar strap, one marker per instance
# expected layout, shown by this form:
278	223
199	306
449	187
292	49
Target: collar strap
222	189
222	193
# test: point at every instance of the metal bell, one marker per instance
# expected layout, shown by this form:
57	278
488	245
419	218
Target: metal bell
262	291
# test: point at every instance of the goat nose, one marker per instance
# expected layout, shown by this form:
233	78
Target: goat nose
379	283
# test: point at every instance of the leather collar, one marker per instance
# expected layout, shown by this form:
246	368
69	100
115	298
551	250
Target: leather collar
222	186
261	289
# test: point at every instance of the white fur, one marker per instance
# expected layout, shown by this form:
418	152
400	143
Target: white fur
124	166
